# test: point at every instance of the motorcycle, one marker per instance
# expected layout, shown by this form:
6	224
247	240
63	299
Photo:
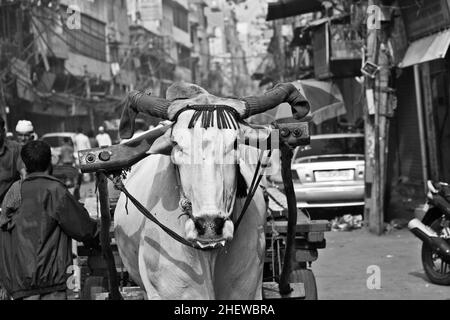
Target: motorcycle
434	231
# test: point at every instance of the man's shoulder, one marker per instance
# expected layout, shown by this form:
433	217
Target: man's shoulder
16	185
47	181
50	185
13	196
15	188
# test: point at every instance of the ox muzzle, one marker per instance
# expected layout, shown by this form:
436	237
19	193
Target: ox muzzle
209	230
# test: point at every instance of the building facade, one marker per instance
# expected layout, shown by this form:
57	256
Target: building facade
72	67
423	121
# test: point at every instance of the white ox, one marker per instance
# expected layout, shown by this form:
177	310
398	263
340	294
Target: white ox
187	162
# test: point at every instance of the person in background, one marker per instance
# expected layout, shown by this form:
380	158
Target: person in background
11	170
11	165
25	131
103	138
92	140
66	156
81	140
82	143
36	235
10	136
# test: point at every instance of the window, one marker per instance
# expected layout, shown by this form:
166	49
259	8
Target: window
180	18
332	148
184	55
90	40
57	141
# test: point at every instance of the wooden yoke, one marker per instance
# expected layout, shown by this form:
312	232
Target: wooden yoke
113	159
293	133
119	156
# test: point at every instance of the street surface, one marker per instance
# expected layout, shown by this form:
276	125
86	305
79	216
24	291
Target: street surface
341	269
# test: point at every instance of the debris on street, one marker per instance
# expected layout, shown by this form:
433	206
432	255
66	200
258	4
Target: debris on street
347	223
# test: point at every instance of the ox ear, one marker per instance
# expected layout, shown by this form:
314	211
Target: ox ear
162	145
135	102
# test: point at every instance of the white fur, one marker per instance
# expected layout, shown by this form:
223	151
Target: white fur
167	269
190	230
228	230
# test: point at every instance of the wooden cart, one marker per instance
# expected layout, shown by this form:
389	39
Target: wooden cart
308	239
292	238
94	268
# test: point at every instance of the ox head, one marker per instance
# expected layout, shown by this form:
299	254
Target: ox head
202	144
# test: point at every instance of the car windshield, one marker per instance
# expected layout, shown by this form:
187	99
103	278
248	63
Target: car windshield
56	141
332	148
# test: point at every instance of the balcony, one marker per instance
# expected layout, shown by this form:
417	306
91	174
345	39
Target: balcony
336	48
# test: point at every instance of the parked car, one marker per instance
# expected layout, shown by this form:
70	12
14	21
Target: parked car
55	140
330	172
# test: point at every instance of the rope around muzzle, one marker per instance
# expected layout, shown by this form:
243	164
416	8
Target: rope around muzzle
118	184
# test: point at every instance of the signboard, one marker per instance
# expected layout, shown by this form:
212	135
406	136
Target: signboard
423	17
151	10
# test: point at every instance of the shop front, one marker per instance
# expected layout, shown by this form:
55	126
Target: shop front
423	92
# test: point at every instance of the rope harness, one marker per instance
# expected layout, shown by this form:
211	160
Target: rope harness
260	168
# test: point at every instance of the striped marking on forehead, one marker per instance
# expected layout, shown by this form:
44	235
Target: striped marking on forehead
218	116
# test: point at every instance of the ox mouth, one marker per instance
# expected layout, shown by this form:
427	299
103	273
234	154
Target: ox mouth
211	244
208	239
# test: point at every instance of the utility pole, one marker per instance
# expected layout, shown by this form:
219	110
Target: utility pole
19	26
279	50
374	215
377	120
3	105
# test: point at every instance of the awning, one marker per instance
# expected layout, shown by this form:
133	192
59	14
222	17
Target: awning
426	49
289	8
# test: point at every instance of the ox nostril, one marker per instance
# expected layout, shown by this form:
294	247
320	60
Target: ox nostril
218	225
200	225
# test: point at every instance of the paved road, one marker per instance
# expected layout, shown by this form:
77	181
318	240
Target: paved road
341	270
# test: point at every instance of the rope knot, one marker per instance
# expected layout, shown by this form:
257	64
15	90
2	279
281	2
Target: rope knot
118	183
186	206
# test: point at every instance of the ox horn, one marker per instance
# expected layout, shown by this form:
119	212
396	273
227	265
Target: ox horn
135	102
282	92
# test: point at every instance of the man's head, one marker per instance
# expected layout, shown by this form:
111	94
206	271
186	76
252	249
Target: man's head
66	140
79	130
24	131
101	129
37	156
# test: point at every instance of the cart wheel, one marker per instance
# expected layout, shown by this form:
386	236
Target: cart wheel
92	286
305	276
